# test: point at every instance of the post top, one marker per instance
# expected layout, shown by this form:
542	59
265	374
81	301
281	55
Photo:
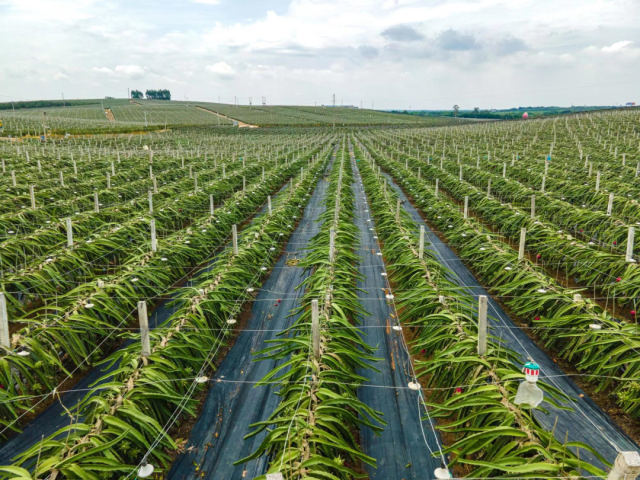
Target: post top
629	460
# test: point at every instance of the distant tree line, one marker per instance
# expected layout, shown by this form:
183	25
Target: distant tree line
158	94
507	114
46	104
137	94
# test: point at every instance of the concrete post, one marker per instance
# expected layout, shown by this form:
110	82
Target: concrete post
154	239
67	222
523	236
482	325
315	329
234	234
144	329
625	467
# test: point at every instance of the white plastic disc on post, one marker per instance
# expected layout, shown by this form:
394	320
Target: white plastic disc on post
315	329
32	195
154	239
96	202
466	206
5	338
523	236
144	328
67	222
421	248
625	467
630	239
482	324
234	235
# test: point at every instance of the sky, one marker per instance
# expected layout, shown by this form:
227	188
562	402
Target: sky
401	54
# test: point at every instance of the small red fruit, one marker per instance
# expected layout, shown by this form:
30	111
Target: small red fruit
423	350
615	243
618	279
633	313
538	256
458	390
537	318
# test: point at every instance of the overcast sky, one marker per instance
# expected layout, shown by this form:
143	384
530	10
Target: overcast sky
395	53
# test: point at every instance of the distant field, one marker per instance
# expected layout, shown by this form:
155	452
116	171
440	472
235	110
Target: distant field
33	118
294	115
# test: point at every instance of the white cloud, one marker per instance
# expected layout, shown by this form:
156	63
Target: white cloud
222	69
617	47
104	71
130	71
133	72
306	50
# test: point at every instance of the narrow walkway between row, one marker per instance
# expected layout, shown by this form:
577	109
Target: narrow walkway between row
401	451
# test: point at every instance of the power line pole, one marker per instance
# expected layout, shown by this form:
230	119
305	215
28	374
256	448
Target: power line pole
334	99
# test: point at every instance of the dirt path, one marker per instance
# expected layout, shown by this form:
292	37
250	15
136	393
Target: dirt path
240	124
109	114
135	103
